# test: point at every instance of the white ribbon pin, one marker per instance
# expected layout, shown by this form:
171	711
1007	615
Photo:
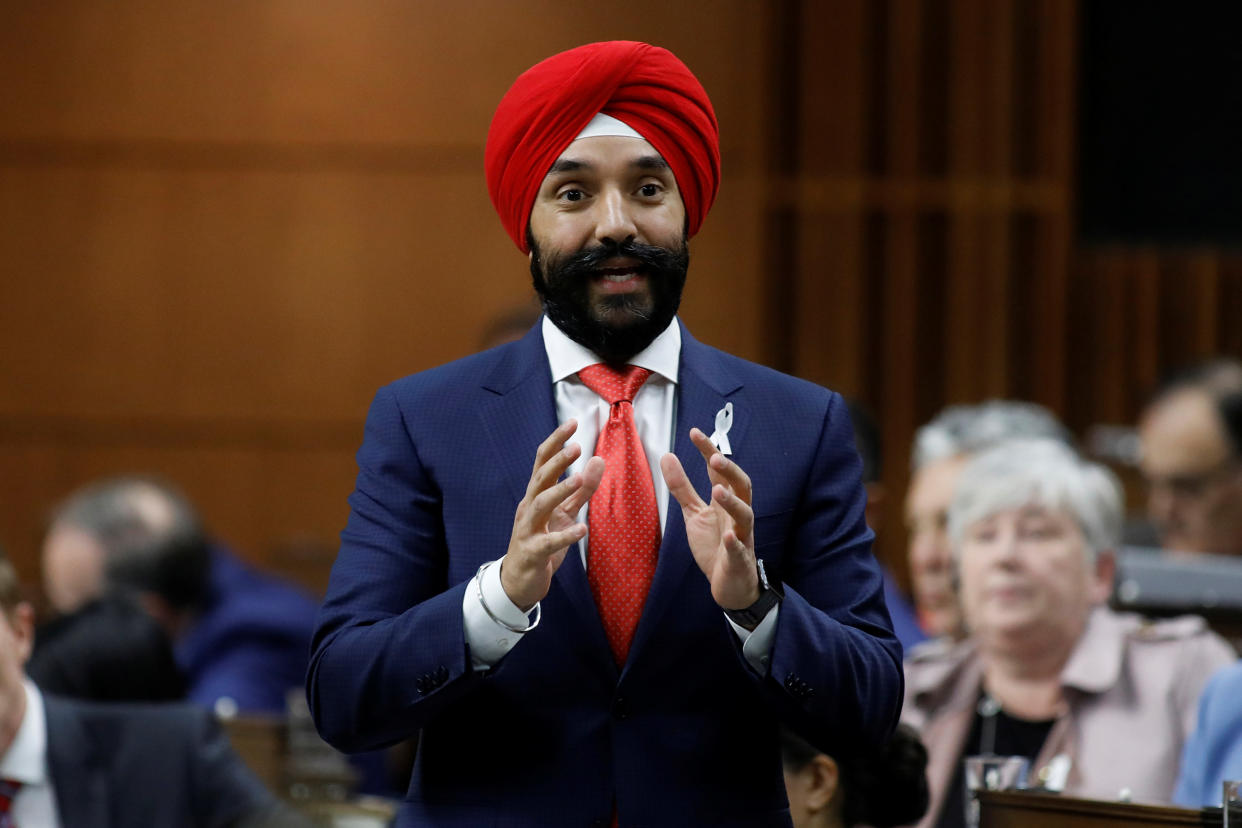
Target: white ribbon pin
724	422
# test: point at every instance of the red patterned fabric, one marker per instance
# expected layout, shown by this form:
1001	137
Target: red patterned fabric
8	792
644	86
623	521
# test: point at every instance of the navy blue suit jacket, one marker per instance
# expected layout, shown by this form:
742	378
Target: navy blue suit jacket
684	733
141	765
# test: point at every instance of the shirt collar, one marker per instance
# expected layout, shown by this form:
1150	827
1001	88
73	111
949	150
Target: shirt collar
26	759
1095	663
567	357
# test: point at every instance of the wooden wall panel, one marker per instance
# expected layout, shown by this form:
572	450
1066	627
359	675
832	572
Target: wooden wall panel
227	223
948	197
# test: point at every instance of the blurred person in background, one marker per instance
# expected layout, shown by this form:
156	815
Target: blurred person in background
941	449
1190	438
1214	752
1100	702
71	763
881	789
867	441
111	649
241	637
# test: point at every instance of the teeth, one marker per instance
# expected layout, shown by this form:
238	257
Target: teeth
619	277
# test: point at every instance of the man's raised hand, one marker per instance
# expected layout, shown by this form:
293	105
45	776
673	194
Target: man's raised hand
546	521
720	533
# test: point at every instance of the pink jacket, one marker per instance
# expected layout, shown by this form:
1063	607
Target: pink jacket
1132	685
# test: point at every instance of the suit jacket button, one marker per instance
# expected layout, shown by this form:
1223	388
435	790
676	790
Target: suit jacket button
619	711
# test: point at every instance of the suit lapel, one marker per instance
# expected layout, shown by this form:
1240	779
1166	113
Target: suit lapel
519	418
704	386
78	775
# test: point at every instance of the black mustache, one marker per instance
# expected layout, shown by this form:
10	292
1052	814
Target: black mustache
584	263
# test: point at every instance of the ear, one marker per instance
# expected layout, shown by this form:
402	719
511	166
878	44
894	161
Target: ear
22	619
823	781
1103	575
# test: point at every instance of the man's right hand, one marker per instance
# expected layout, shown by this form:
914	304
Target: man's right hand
546	522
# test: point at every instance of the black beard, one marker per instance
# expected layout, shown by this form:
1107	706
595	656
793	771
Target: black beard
622	326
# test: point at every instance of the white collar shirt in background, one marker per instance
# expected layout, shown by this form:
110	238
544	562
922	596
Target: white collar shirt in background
26	762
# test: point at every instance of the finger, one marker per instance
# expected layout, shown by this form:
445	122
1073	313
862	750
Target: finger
708	449
554	442
551	471
731	475
546	502
591	476
737	550
557	542
678	483
739	510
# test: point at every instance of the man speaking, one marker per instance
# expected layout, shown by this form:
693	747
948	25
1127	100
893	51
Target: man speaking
597	567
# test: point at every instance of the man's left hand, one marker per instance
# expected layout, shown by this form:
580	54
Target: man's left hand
720	533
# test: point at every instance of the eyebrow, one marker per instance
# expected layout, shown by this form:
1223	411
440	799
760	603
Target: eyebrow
643	162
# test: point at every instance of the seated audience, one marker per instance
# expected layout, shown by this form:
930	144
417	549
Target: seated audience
941	449
887	789
241	637
1214	752
1191	456
1101	702
109	650
72	763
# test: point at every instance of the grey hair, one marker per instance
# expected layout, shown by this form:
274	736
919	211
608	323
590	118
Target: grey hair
1042	471
968	429
151	534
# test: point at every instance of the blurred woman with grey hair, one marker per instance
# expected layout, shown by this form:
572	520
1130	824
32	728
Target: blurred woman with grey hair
1100	702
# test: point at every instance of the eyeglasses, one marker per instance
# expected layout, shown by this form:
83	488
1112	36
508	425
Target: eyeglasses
1195	486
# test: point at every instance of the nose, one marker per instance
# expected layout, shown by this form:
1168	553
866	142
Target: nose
1006	549
614	221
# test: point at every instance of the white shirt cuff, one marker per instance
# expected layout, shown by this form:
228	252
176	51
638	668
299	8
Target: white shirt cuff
757	643
489	642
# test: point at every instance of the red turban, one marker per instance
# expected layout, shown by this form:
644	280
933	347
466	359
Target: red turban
644	86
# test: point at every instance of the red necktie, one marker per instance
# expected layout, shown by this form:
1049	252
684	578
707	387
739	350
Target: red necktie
623	521
8	792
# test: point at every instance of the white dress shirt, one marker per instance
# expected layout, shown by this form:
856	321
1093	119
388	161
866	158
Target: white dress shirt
655	412
26	761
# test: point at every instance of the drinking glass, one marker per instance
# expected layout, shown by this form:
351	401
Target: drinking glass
1231	804
993	773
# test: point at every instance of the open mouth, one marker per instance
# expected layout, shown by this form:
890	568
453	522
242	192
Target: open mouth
618	275
621	276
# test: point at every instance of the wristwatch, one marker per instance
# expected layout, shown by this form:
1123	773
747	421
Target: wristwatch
769	596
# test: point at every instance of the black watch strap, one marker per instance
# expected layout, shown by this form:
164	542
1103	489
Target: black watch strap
769	596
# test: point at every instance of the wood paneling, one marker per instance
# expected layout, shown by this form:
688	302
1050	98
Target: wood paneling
226	224
933	195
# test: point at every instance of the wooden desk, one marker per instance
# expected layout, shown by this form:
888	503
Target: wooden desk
1025	809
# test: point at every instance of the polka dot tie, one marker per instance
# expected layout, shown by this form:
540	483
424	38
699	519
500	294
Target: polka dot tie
8	792
623	521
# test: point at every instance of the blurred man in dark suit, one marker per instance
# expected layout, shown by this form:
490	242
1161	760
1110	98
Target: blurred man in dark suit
240	636
83	765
